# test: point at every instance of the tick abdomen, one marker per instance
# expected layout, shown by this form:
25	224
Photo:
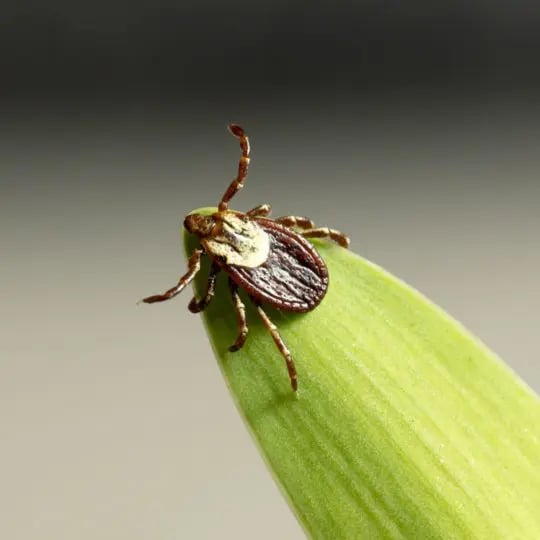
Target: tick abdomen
293	277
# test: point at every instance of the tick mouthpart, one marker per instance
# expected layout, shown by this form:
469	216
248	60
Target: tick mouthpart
189	223
199	224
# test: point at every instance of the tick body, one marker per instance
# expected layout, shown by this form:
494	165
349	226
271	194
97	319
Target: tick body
270	259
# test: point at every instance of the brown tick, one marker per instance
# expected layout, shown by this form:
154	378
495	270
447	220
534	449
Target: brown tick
268	258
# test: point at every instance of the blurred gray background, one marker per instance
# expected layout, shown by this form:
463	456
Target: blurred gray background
414	127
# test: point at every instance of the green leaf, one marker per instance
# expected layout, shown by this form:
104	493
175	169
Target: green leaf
404	425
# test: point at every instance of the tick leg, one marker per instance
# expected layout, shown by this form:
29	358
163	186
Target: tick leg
296	221
196	306
310	231
325	232
194	264
237	184
263	210
271	327
241	316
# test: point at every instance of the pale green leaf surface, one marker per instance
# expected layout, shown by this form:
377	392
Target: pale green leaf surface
404	425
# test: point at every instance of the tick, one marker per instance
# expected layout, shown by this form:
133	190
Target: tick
270	259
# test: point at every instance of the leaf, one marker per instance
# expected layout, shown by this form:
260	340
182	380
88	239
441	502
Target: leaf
404	425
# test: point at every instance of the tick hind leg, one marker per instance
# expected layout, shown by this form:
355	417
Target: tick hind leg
325	232
194	265
196	306
296	221
310	231
271	327
241	317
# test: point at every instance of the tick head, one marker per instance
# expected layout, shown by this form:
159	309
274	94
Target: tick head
199	225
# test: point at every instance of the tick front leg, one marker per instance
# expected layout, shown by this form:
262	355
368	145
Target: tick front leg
325	232
271	327
237	184
263	210
194	265
241	317
196	307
